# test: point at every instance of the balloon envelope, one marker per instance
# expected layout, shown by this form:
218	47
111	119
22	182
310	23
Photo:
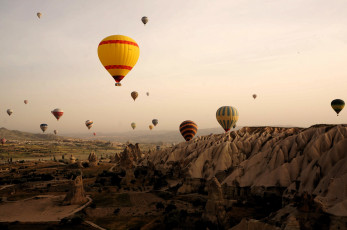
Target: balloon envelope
55	132
147	93
57	113
89	123
26	101
254	96
337	105
188	129
9	112
144	20
134	95
155	122
150	127
39	15
133	125
43	127
118	54
3	141
94	134
227	117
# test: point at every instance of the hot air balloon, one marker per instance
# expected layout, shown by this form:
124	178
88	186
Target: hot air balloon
118	54
234	126
57	113
55	132
43	127
133	125
254	96
144	20
89	123
9	112
150	127
188	129
39	15
155	122
94	134
337	105
147	93
26	101
3	141
227	117
134	95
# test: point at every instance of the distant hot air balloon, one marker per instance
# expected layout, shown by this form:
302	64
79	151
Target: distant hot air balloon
57	113
133	125
94	134
155	122
227	117
43	127
147	93
254	96
134	95
89	123
150	127
118	54
26	101
39	15
188	129
144	20
3	141
337	105
9	112
55	132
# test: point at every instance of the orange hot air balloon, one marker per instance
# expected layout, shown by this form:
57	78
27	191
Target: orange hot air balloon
118	54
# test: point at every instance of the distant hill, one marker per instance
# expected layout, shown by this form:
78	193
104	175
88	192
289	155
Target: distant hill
141	136
21	136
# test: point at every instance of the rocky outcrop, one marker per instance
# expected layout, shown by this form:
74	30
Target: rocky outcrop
215	206
93	159
259	160
72	159
76	195
129	157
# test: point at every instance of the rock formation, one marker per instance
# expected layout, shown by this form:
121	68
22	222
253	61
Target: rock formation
215	206
93	159
129	157
76	194
72	160
255	159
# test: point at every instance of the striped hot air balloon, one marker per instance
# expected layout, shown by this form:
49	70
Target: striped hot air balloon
43	127
57	113
337	105
89	123
227	117
118	54
188	129
133	125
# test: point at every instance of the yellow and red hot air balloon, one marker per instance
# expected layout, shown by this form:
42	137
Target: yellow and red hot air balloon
118	54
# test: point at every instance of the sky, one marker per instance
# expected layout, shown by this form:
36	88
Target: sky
195	56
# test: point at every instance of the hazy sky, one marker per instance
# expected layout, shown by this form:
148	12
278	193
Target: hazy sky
195	56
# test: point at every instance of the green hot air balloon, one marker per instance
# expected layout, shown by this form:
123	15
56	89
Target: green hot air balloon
227	117
337	105
188	129
133	125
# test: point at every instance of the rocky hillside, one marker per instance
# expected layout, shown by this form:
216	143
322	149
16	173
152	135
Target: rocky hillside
298	161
